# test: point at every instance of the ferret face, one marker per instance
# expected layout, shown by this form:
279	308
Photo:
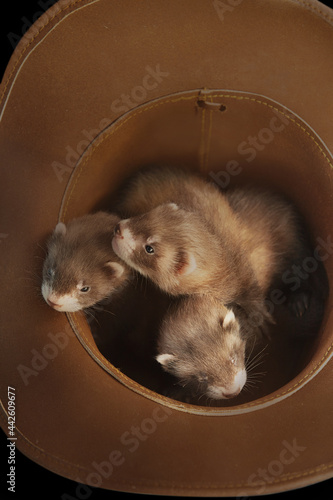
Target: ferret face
157	244
80	268
204	350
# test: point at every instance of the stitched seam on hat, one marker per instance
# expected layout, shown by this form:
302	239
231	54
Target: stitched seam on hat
301	2
87	342
113	370
317	10
18	60
80	167
149	108
114	129
206	132
283	478
202	136
199	486
65	465
209	134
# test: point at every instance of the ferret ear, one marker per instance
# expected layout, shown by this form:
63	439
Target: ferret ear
116	268
187	265
60	229
229	319
174	206
165	359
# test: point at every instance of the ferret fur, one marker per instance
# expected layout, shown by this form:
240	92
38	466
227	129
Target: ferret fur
240	240
200	343
81	268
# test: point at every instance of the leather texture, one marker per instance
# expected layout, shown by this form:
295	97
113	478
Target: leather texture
239	90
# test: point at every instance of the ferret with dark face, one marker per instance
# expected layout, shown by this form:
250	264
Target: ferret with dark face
190	238
81	268
260	226
200	343
173	247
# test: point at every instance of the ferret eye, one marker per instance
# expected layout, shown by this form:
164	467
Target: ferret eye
50	273
85	289
149	249
203	377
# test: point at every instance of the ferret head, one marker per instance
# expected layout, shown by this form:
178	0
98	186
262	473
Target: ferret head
169	245
200	344
80	268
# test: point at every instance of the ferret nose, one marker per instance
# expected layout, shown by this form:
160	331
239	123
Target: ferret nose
117	230
237	385
52	304
232	395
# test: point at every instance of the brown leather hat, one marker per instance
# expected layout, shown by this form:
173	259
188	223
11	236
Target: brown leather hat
240	90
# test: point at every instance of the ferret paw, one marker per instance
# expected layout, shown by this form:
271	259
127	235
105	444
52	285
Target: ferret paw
299	303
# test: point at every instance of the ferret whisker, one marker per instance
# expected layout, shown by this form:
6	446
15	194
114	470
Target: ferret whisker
91	317
259	354
29	278
201	396
250	362
262	350
255	381
39	257
29	281
40	297
34	289
42	248
251	374
109	312
253	344
249	388
209	401
253	377
33	274
182	382
246	387
251	366
98	308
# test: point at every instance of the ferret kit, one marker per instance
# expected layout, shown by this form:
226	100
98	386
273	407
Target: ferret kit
227	265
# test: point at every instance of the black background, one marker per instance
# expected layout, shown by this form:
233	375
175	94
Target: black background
33	481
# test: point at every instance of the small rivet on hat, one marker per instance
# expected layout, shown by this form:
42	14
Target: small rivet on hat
217	106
